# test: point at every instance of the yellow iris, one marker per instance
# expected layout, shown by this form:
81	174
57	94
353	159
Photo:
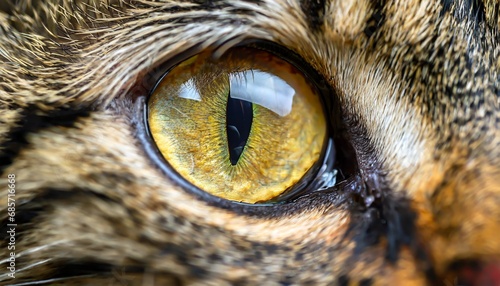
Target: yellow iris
189	122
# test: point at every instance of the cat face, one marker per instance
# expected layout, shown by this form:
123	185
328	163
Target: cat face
412	91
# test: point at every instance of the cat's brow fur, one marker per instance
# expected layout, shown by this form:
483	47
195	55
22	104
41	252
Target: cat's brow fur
418	85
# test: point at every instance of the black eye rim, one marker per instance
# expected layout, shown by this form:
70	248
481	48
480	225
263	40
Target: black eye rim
311	181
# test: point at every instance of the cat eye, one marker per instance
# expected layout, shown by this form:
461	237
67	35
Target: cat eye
247	126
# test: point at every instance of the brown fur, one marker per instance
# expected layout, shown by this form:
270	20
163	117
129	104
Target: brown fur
419	97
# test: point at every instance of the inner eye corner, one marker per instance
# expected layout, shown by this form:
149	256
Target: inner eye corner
213	126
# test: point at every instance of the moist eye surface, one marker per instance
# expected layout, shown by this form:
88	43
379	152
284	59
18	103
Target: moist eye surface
245	127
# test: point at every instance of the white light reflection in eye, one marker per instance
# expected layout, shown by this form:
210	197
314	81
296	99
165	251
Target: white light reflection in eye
264	89
188	90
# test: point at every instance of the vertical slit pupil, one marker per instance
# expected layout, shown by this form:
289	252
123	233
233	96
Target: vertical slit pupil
239	116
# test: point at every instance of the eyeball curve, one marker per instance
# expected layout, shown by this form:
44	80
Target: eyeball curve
245	127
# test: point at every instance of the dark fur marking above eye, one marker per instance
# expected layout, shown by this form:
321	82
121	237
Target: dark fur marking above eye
32	120
314	10
377	18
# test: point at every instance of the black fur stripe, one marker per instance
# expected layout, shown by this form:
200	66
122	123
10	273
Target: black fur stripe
390	218
314	10
33	120
377	18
